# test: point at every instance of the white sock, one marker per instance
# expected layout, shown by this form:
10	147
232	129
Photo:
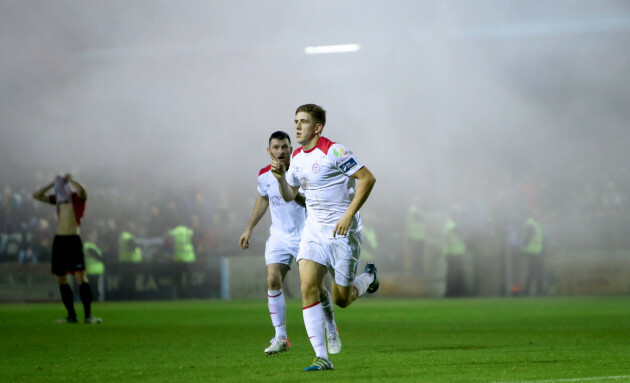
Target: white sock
329	315
313	320
362	282
277	311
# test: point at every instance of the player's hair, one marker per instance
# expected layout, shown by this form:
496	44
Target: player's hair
315	111
279	135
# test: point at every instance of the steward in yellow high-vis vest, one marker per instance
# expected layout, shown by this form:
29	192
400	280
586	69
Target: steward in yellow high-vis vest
370	244
454	249
534	238
533	251
183	248
128	250
93	259
94	266
453	244
414	241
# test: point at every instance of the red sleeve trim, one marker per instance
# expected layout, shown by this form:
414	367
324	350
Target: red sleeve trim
264	170
296	152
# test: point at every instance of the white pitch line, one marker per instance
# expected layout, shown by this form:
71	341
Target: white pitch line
572	380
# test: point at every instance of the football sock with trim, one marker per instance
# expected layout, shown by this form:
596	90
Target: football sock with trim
68	300
329	315
362	282
313	320
277	311
86	298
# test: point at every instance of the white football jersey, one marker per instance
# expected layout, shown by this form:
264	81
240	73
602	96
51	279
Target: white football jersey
287	218
324	173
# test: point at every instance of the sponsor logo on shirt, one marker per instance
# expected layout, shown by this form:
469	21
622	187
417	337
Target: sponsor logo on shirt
339	152
304	183
346	166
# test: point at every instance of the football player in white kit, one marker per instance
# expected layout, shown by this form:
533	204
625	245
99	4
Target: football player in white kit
287	222
331	240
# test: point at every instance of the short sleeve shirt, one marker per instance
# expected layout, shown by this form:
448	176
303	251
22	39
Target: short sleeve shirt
287	218
324	173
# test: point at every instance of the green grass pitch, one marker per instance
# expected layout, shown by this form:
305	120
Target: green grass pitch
394	340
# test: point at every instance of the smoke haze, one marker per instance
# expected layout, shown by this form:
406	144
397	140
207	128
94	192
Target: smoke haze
446	102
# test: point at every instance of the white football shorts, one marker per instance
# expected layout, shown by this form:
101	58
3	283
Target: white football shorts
339	254
279	249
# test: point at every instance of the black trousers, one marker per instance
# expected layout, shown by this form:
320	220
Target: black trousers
455	286
534	274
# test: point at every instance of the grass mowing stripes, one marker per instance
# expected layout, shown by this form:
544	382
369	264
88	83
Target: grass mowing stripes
397	340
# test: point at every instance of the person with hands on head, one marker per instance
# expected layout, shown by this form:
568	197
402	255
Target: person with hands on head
67	248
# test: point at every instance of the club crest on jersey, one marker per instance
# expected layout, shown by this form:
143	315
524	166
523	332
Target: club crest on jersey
315	168
277	201
339	152
346	166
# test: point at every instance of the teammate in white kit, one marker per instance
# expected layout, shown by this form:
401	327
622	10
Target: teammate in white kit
331	240
287	222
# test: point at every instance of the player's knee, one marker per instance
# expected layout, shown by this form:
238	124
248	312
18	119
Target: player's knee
309	289
342	301
81	277
274	282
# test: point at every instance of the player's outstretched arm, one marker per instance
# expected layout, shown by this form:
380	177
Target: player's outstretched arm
260	207
40	195
287	191
364	188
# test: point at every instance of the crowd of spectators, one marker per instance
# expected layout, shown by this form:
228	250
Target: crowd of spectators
27	226
582	212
